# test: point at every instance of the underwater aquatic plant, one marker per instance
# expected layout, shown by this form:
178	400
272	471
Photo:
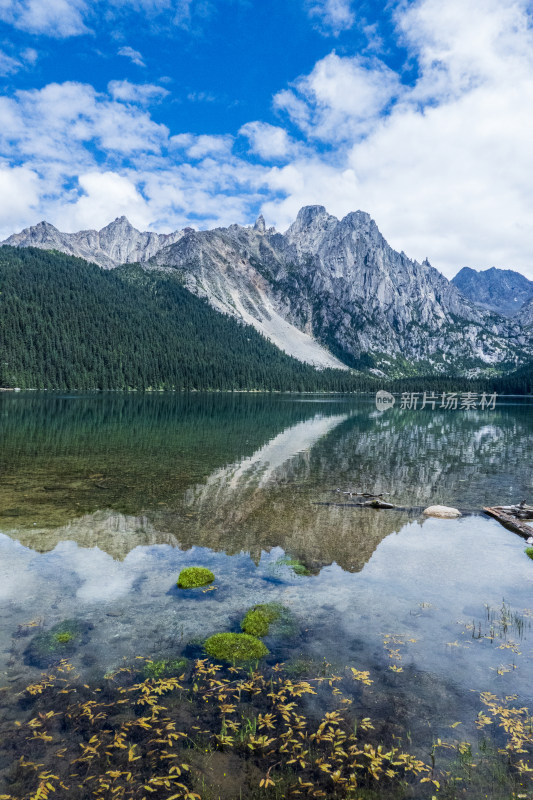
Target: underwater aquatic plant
235	647
65	637
164	668
193	577
258	619
529	552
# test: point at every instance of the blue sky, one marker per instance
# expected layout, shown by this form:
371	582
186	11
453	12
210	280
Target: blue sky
208	112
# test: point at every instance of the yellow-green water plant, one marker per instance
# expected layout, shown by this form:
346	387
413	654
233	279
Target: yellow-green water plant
193	577
529	552
63	638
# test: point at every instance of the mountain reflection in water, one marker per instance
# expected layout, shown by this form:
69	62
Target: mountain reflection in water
244	473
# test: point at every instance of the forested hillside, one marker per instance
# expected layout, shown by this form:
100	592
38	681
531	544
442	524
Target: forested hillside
518	382
67	324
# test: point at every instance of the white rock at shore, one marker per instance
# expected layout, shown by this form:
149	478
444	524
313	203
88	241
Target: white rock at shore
446	512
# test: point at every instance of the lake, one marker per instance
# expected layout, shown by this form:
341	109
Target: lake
105	498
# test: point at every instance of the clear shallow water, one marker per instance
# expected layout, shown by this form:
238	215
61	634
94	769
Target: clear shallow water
104	499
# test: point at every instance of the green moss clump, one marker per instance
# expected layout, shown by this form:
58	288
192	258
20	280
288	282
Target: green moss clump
192	577
235	647
529	552
165	668
258	619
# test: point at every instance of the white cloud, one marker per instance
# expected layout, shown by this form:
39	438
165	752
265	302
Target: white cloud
201	97
63	134
268	141
460	46
56	124
19	196
140	93
65	18
57	18
106	195
8	64
340	98
30	55
88	157
210	145
198	147
134	55
333	16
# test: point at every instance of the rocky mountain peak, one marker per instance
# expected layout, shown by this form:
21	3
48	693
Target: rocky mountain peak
260	225
118	243
309	216
119	231
43	226
119	223
360	220
309	229
501	290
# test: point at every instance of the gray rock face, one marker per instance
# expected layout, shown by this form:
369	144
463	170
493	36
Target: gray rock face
234	269
331	292
375	300
525	316
117	243
503	291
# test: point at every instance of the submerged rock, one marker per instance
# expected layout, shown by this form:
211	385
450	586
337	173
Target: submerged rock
61	641
445	512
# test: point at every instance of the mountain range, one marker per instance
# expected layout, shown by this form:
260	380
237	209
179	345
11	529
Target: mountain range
503	291
330	292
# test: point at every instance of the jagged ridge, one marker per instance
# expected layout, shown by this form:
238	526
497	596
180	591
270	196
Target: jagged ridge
117	243
325	283
502	291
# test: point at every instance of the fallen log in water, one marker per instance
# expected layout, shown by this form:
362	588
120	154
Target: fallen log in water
503	514
371	505
375	503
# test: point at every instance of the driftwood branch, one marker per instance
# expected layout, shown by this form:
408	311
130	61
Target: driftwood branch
522	510
370	504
